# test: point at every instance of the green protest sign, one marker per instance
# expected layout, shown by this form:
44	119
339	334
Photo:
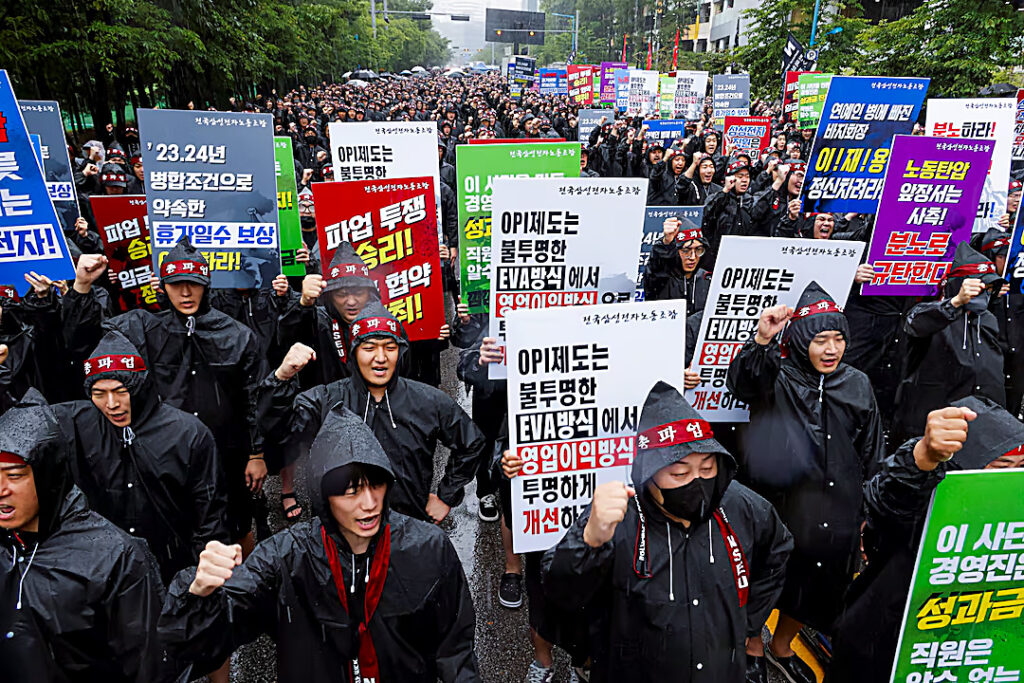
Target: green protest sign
667	98
963	616
287	207
811	91
477	167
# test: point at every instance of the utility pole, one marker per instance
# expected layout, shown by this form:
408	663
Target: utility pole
814	22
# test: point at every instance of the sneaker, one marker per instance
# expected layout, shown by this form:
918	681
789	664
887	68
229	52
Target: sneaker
510	590
792	668
537	673
757	670
488	510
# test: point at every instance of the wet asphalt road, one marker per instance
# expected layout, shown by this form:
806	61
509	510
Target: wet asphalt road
502	635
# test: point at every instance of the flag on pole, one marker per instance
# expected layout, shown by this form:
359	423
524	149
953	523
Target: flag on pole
649	55
675	50
623	48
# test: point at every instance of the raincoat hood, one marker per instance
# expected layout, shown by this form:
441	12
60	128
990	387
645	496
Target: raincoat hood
115	357
185	263
993	434
968	263
30	431
815	313
994	243
346	270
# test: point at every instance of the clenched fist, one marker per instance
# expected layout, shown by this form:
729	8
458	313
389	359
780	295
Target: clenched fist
606	511
944	435
216	564
312	287
88	270
772	321
298	357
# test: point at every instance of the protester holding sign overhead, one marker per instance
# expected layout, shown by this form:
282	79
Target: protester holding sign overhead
673	270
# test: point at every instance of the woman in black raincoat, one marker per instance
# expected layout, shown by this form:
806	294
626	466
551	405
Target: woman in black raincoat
814	438
398	611
651	621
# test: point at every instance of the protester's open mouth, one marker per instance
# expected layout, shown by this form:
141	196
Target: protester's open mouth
7	512
829	362
118	417
379	370
368	523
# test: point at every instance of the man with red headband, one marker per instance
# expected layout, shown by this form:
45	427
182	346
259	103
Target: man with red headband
673	270
954	345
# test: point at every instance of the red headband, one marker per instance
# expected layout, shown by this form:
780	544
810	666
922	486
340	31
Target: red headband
8	292
968	269
349	269
1019	450
823	306
996	243
185	267
11	459
687	235
101	364
674	434
371	325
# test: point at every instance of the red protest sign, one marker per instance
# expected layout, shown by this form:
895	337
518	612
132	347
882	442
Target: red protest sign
791	95
748	134
392	225
124	229
513	141
581	83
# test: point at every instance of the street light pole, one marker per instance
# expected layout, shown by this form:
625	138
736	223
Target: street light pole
575	28
814	22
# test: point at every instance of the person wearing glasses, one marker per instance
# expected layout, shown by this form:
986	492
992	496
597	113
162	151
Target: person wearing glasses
673	271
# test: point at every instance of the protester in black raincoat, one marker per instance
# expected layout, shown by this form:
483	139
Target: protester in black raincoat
698	184
673	270
954	348
407	417
358	593
651	622
79	598
731	211
994	244
343	291
30	331
815	436
896	500
147	467
202	361
773	203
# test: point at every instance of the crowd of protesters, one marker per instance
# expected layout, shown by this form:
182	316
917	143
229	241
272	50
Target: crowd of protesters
134	446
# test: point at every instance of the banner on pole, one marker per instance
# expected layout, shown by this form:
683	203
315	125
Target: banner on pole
553	82
811	91
588	120
643	93
691	89
581	84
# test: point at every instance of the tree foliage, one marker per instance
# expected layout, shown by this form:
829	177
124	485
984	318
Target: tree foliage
95	56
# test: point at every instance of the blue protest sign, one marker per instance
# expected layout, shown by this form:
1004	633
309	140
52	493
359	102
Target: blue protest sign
621	89
42	117
210	176
553	82
667	131
730	97
30	234
692	218
851	148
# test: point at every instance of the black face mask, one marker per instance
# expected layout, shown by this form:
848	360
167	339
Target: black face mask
978	303
308	223
693	501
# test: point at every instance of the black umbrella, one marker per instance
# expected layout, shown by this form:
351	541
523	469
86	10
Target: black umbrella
364	75
998	90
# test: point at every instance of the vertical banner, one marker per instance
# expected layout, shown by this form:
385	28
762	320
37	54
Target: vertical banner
390	224
588	120
794	56
553	82
748	134
730	96
375	150
576	387
210	177
42	117
691	89
861	115
962	621
287	207
692	218
622	89
811	90
1018	129
643	93
667	96
477	166
927	209
607	91
665	131
1014	269
748	286
581	84
986	118
31	238
124	228
563	242
791	95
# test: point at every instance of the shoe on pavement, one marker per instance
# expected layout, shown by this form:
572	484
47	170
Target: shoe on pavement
793	669
488	509
757	670
539	674
510	590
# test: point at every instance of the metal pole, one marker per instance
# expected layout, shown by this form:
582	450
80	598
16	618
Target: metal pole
576	32
814	22
373	17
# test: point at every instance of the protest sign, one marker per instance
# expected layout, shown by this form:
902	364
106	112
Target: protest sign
643	93
1013	271
513	141
987	118
747	286
791	94
748	134
287	207
665	131
811	91
691	216
861	115
563	242
42	117
589	119
390	224
581	84
521	73
124	228
553	82
576	387
666	96
621	89
1018	130
477	167
730	96
607	87
927	209
374	150
31	238
691	89
210	177
962	618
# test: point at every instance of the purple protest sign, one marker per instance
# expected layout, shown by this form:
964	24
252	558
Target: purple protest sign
608	80
930	196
